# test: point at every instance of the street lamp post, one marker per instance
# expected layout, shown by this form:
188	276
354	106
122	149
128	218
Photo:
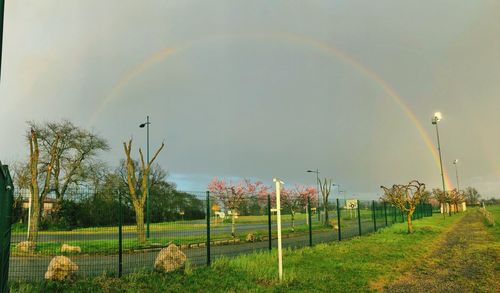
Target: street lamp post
435	119
148	211
338	189
317	184
455	162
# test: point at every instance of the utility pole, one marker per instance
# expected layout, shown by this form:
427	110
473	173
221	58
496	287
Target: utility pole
148	211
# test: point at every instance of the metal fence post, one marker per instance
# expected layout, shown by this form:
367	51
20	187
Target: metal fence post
6	199
359	220
310	222
209	260
269	227
120	235
338	220
373	213
2	6
385	213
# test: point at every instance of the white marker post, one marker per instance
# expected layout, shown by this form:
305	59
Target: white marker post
29	215
278	183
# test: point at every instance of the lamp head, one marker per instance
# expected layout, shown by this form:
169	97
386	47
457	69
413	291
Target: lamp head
142	125
455	161
437	117
275	179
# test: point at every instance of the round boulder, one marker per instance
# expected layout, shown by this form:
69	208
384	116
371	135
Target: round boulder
250	237
70	248
61	268
170	259
26	246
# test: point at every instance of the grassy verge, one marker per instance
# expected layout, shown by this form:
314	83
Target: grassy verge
348	266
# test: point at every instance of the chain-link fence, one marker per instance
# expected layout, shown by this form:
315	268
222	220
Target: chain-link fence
98	230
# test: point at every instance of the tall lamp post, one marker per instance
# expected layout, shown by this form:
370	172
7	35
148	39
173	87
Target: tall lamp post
148	211
338	189
435	119
317	184
2	6
455	162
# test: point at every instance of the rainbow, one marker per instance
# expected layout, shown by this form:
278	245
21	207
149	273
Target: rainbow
326	48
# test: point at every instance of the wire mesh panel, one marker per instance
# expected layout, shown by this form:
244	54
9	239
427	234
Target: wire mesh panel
325	227
349	221
366	216
379	214
239	226
175	218
72	228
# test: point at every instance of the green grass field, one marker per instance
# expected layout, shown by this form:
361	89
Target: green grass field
362	264
166	226
185	225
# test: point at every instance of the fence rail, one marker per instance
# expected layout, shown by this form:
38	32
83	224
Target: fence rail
198	223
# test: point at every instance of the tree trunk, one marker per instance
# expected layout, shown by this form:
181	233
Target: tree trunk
139	218
233	223
410	225
34	217
293	221
307	216
326	212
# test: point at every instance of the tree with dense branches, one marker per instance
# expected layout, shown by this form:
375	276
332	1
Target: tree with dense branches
456	198
233	195
405	197
472	196
296	200
37	196
443	198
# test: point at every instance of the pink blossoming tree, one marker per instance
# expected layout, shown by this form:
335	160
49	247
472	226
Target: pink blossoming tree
232	196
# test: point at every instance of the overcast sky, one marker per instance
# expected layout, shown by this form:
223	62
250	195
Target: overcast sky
259	89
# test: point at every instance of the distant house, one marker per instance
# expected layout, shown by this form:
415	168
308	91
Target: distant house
48	205
447	207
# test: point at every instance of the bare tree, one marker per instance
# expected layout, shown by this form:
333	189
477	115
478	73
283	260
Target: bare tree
38	196
456	198
75	159
325	188
443	198
472	196
138	199
405	197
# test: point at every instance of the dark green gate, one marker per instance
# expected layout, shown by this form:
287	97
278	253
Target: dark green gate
6	197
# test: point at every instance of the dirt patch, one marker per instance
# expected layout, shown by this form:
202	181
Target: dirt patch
464	261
